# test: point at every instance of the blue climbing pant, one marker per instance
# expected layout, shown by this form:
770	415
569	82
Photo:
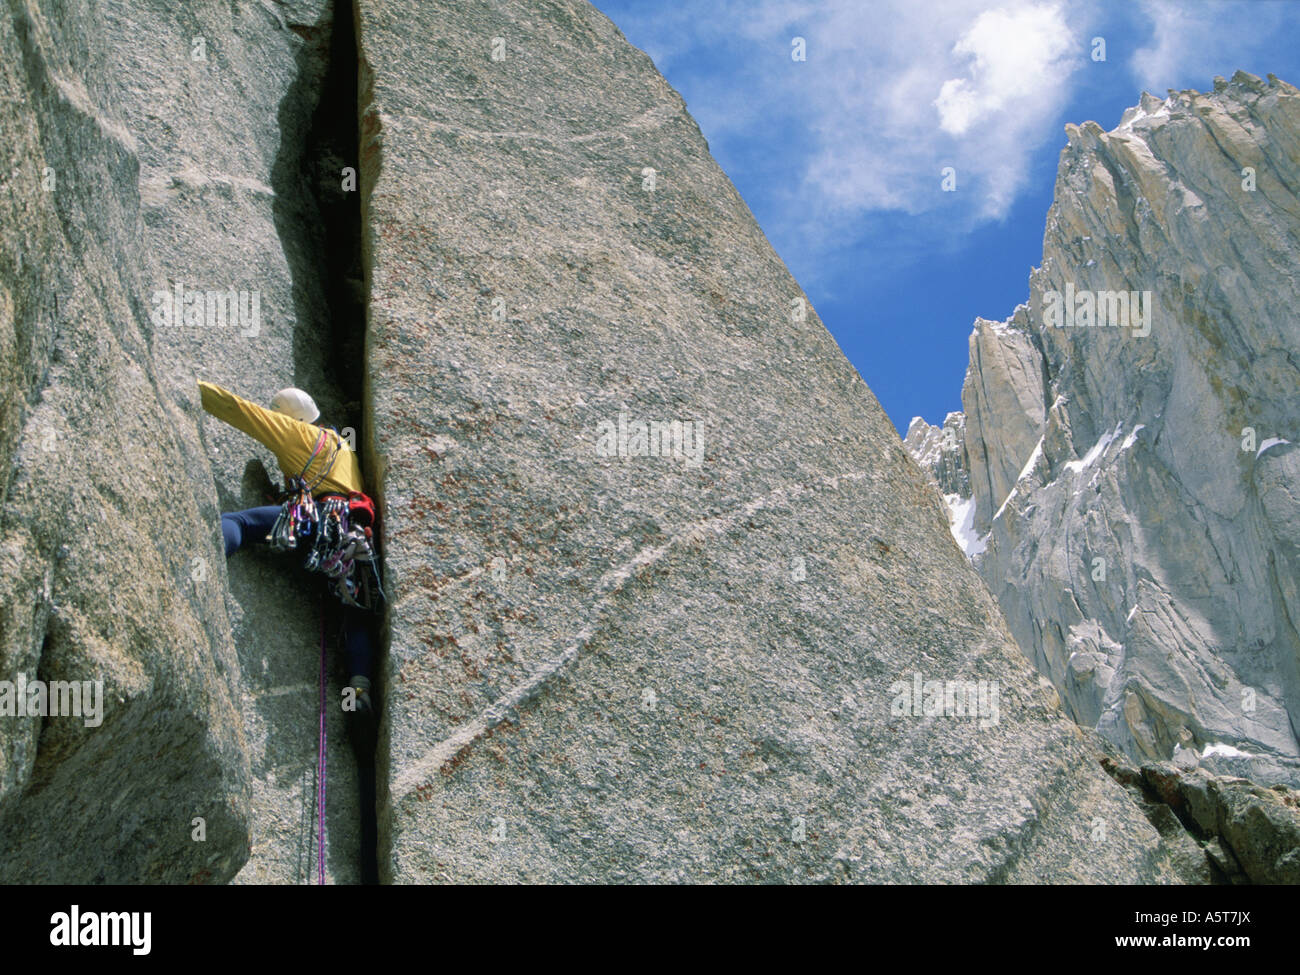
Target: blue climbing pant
249	525
240	528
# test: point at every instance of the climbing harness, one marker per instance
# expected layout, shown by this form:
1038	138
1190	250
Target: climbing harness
343	525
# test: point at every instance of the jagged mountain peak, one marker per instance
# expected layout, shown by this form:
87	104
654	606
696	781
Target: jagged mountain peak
1141	543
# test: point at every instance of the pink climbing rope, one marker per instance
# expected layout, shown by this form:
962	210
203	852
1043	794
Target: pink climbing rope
320	760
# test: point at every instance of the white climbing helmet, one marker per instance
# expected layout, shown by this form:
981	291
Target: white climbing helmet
293	402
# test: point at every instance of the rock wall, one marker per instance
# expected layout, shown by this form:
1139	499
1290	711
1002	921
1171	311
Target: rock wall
187	148
613	664
101	521
1137	513
751	653
1228	830
935	449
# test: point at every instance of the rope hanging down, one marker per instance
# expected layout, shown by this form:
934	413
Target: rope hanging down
320	759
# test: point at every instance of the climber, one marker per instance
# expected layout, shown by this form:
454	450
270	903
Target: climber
324	506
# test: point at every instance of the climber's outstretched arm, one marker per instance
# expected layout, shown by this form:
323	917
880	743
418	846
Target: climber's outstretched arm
273	430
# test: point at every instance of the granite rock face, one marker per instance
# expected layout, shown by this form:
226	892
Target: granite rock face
750	651
151	144
686	661
107	548
1136	486
936	449
233	185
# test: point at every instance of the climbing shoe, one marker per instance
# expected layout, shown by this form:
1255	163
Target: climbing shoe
361	688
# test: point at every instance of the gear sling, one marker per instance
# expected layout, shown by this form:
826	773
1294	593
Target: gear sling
342	525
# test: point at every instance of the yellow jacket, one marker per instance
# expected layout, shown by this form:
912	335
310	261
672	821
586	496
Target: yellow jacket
292	441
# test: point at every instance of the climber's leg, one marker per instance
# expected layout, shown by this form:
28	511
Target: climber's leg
357	641
249	525
359	649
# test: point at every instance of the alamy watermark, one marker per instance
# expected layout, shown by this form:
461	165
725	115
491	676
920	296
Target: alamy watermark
1085	309
681	439
22	698
76	928
947	698
208	309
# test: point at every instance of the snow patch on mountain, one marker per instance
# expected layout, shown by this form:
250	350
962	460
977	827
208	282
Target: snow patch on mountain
1097	450
961	521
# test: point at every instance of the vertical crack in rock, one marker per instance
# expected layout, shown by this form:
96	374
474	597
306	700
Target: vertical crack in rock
329	164
366	150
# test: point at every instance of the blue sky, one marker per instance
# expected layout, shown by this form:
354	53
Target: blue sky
840	156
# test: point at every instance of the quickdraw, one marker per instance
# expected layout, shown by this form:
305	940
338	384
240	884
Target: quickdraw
329	534
297	519
298	514
344	551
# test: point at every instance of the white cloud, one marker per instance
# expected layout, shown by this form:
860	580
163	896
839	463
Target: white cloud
903	90
1020	58
1156	64
892	91
1191	43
